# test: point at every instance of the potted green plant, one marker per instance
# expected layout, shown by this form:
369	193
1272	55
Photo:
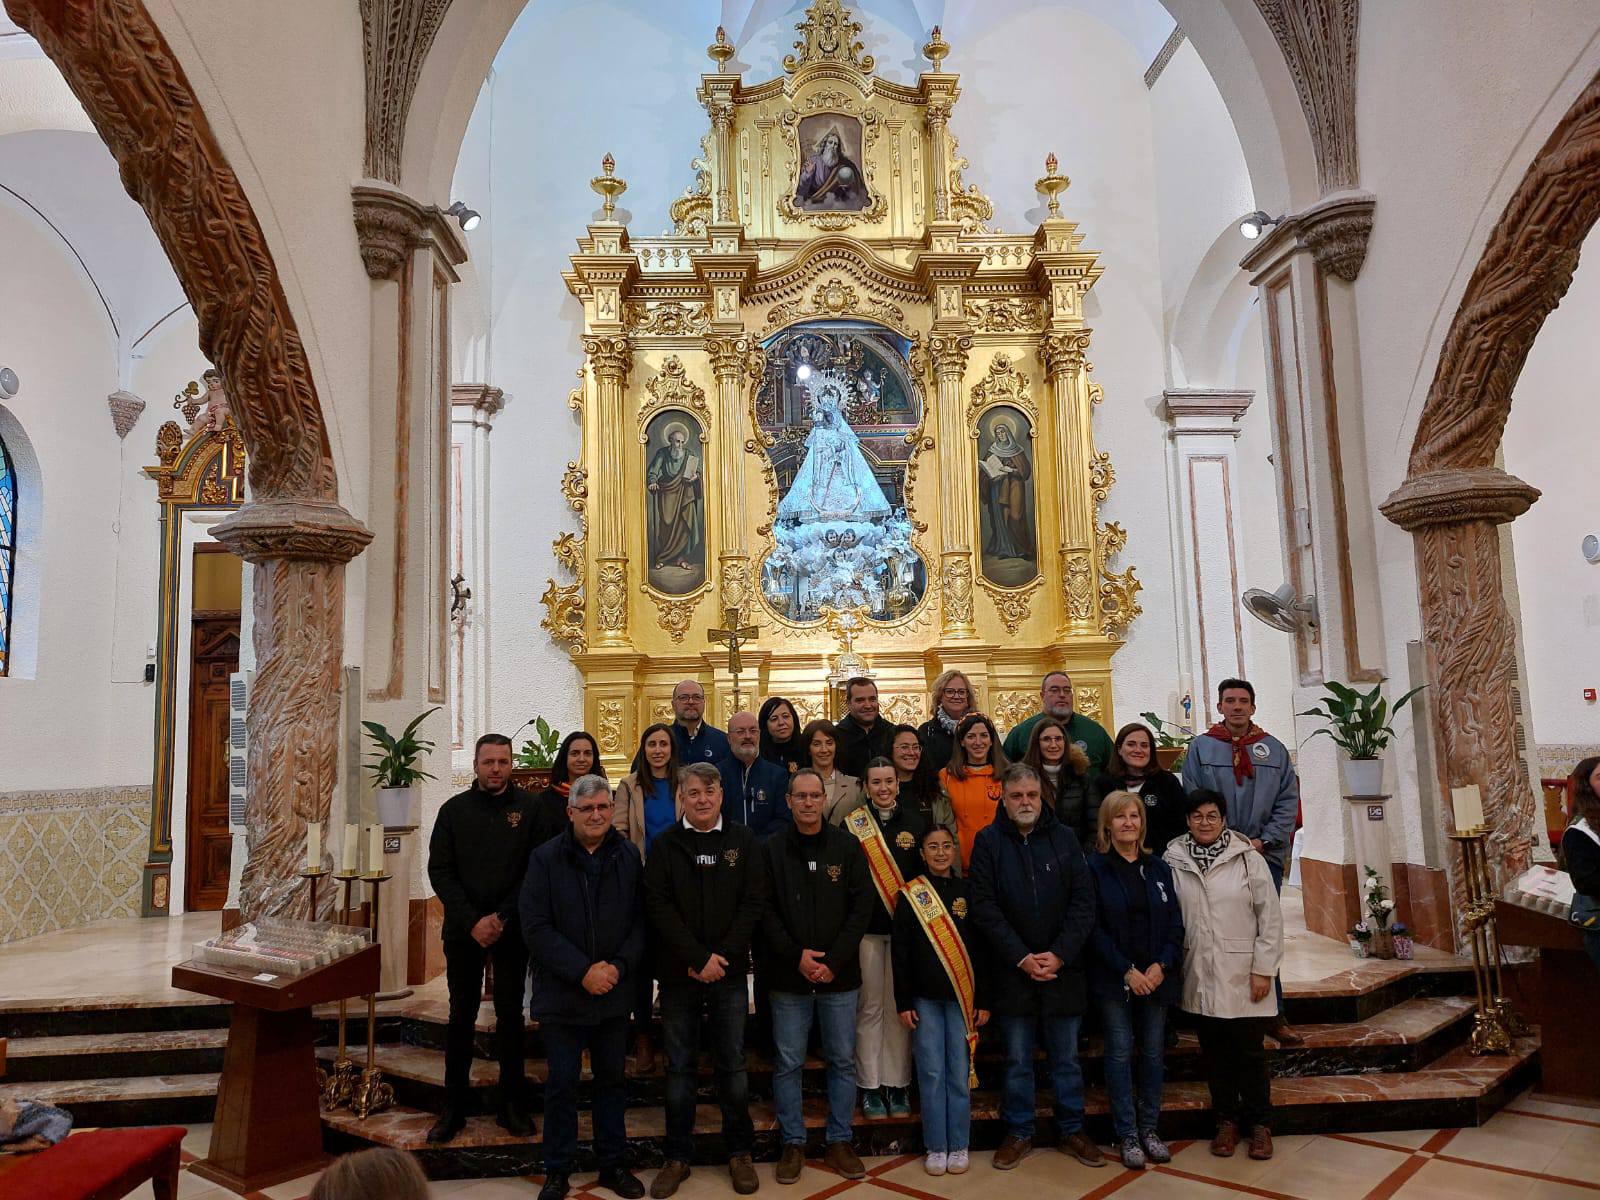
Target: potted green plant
1358	723
1172	741
531	763
394	770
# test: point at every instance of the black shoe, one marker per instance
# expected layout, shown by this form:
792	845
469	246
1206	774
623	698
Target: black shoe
514	1119
555	1186
621	1181
451	1122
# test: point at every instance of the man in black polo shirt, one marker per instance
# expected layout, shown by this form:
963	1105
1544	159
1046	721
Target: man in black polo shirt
476	861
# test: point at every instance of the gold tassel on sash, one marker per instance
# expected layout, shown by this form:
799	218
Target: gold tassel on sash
951	952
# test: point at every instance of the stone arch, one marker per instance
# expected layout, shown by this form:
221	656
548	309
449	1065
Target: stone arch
1454	497
1218	300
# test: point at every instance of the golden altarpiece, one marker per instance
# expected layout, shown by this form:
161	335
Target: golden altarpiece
835	401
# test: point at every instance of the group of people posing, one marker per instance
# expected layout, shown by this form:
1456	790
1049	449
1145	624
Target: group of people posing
895	890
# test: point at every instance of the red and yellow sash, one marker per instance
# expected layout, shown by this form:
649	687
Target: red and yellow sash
880	863
951	952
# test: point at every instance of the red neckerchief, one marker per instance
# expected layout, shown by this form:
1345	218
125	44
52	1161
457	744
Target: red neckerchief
561	789
1243	768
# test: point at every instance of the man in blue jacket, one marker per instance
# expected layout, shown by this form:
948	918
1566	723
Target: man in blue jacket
1033	904
697	740
582	914
753	788
1252	771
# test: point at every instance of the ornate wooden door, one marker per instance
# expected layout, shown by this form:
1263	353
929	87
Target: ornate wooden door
215	656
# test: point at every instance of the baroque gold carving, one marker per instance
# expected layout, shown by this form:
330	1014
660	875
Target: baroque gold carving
948	352
1088	698
1014	605
611	597
828	35
1101	476
1118	607
903	710
1006	314
672	388
575	487
738	592
564	615
1004	384
676	613
836	298
669	318
1065	351
1010	709
957	575
569	549
609	730
609	357
967	203
1077	586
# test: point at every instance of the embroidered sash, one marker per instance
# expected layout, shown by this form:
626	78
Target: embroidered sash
880	863
951	951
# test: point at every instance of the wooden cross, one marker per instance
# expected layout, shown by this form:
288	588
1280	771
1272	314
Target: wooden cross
733	635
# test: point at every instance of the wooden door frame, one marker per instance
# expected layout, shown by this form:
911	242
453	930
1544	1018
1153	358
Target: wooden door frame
196	617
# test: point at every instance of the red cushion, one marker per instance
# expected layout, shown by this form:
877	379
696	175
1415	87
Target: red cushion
102	1164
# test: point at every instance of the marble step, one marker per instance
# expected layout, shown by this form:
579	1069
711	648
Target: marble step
1458	1090
109	1014
126	1100
100	1055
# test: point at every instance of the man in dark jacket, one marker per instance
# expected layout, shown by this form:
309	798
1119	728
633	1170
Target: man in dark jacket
753	787
705	888
582	914
821	901
862	735
476	860
1033	902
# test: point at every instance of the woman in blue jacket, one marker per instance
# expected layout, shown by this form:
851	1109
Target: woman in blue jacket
1135	960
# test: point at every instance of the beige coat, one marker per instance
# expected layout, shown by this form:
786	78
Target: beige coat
1232	929
844	797
627	818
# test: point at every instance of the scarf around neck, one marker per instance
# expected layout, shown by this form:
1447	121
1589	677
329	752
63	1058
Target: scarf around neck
1243	768
563	789
1205	856
946	721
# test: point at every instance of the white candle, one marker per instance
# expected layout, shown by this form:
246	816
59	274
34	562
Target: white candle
313	845
375	850
350	851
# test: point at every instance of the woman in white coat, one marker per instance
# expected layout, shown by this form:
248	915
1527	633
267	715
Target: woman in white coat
1232	946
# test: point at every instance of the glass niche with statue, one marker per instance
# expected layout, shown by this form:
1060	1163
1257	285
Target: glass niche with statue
840	407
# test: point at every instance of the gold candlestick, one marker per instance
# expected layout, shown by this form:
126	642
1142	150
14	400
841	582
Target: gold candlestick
339	1085
608	185
936	50
1052	184
1489	1032
371	1094
721	50
313	874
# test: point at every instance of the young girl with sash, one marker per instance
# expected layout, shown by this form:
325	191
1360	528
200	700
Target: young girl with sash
888	832
941	999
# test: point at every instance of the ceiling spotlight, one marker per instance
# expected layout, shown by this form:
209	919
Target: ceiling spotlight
469	217
8	383
1253	225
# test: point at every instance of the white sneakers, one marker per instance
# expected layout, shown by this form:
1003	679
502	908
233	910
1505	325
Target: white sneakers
935	1163
956	1164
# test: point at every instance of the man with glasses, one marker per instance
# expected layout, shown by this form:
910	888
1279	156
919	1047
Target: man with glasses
582	914
953	698
1055	700
697	740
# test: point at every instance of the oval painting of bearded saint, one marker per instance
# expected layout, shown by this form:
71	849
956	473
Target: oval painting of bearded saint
675	503
830	177
1006	497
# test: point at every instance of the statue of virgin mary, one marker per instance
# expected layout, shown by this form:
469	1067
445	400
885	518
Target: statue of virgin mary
835	482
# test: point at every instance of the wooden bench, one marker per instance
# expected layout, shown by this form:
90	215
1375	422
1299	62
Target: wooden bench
101	1164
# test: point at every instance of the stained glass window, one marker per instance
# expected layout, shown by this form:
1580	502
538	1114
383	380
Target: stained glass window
8	551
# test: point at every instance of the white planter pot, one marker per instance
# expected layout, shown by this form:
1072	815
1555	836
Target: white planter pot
395	807
1362	776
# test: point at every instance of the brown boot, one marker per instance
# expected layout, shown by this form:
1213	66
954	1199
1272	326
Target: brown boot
842	1158
644	1054
672	1173
1012	1151
1261	1143
790	1164
1226	1141
743	1173
1082	1149
1283	1033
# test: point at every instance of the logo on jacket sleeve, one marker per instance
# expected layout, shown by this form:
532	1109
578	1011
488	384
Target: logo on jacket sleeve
514	818
904	840
834	872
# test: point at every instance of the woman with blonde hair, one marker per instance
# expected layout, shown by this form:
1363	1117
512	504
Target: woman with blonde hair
969	788
1135	963
953	698
381	1173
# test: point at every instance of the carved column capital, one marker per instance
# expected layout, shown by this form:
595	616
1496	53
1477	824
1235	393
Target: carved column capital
304	530
1337	232
1455	497
610	356
731	354
948	352
388	225
1064	351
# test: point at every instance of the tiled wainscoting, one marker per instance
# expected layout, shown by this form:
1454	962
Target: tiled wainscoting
70	857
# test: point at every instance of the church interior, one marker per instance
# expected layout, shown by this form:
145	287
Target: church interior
451	367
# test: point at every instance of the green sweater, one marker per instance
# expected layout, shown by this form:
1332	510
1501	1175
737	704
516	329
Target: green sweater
1096	742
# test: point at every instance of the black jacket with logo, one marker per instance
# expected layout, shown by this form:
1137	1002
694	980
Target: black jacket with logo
826	909
704	894
478	855
917	969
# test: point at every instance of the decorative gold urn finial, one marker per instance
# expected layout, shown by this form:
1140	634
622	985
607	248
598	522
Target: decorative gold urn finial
936	50
721	50
608	185
1052	184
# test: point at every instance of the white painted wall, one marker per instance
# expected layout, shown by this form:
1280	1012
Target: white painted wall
1549	441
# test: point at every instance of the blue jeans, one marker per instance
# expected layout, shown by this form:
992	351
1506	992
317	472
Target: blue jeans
939	1048
1136	1020
835	1013
1061	1055
724	1005
563	1046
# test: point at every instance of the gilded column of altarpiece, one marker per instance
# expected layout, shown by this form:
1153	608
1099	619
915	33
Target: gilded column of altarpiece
834	387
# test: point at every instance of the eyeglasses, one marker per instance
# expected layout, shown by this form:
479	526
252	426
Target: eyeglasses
588	810
958	692
1205	818
1058	691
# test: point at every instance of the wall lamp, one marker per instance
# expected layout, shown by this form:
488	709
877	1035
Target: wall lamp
1256	223
469	218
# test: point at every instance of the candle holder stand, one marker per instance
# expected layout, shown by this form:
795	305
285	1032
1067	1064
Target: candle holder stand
338	1086
1490	1028
371	1093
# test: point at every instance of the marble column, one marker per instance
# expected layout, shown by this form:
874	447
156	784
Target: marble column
1203	432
